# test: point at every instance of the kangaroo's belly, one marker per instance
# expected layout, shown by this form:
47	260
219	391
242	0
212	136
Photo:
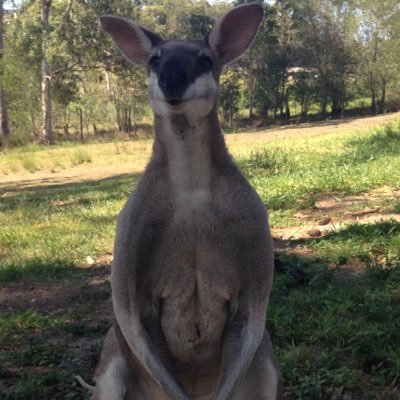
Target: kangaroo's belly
194	314
196	281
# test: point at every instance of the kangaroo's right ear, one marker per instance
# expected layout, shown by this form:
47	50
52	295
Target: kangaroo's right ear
134	41
235	32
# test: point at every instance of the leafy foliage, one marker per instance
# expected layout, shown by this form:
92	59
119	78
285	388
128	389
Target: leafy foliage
313	56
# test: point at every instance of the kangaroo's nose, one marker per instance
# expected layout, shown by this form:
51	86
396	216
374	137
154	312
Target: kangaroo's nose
173	81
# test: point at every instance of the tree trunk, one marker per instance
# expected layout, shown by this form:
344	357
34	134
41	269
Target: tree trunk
32	115
343	101
81	124
287	114
382	101
118	113
250	82
108	82
323	94
4	126
130	120
374	107
303	105
251	101
66	130
66	120
47	132
373	101
134	115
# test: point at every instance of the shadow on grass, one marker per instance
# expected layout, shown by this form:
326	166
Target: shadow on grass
365	232
330	333
51	331
48	271
313	121
327	334
380	229
38	270
81	193
361	245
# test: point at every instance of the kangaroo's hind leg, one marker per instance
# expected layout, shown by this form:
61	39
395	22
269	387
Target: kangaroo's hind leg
115	376
262	380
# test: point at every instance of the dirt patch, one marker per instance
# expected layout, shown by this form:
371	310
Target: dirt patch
332	213
349	271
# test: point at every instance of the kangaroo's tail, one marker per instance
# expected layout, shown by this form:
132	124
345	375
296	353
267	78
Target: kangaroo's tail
83	383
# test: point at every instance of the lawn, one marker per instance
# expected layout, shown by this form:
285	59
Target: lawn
334	314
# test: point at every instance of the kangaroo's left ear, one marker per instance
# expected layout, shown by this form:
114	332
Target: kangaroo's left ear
134	41
235	32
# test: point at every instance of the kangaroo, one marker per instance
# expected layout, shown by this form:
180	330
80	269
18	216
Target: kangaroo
193	258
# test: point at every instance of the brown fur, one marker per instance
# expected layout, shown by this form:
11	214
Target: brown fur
193	260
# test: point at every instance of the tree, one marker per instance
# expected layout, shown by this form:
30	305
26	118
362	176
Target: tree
272	57
304	88
4	126
47	131
327	32
380	40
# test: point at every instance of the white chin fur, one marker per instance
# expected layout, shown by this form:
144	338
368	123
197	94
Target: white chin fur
199	98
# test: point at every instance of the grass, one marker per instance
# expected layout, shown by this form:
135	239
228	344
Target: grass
336	331
290	175
65	155
29	163
59	226
81	156
374	244
335	338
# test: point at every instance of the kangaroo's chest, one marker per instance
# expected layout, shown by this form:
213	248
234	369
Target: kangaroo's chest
196	279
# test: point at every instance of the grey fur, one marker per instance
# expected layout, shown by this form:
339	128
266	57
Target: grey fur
193	265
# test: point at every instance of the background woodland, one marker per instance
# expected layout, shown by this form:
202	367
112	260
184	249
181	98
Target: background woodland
62	79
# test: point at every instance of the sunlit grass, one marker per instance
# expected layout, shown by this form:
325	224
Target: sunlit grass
29	163
60	224
36	158
288	175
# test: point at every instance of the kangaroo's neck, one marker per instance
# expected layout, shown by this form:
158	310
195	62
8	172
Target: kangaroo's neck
191	150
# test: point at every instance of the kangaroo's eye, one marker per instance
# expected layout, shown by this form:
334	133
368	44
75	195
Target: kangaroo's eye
154	61
205	62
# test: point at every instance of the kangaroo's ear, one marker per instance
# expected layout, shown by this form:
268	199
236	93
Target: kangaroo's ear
235	31
134	41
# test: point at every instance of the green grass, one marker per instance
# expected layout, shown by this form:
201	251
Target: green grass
335	334
377	243
29	163
288	176
48	346
48	230
81	156
331	334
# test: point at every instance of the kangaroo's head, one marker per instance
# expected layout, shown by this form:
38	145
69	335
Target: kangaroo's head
184	74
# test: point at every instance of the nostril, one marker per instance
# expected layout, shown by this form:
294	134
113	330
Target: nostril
182	80
162	80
